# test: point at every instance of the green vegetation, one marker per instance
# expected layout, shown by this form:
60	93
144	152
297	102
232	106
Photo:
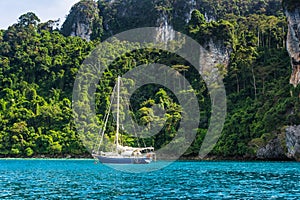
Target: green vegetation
37	73
113	18
38	65
260	100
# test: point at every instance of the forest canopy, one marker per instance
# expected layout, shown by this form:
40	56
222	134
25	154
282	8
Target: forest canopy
38	66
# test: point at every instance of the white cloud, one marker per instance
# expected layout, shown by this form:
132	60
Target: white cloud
11	10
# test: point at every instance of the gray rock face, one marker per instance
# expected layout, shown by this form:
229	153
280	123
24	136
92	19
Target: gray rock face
293	43
273	151
165	32
83	20
293	142
214	61
218	53
82	30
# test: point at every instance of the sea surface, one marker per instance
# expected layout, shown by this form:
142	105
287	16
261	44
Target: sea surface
83	179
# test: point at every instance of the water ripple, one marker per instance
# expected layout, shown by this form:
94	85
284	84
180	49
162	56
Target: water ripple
81	179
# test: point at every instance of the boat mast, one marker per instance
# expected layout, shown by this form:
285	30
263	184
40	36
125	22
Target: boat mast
118	111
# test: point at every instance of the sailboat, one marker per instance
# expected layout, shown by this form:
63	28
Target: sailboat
124	154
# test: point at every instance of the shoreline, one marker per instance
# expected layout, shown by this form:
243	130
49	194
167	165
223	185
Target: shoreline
188	158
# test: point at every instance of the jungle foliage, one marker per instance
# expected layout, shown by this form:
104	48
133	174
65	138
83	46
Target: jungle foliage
38	66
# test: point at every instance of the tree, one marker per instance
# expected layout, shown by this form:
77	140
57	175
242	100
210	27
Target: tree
27	20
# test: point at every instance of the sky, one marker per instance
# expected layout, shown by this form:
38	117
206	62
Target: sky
11	10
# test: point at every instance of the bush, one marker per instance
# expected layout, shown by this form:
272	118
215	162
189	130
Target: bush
29	152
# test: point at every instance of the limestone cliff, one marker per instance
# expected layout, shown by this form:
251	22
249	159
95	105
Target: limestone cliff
274	150
83	21
90	18
292	12
285	145
217	54
293	142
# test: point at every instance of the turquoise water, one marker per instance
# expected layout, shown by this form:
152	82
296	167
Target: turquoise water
82	179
